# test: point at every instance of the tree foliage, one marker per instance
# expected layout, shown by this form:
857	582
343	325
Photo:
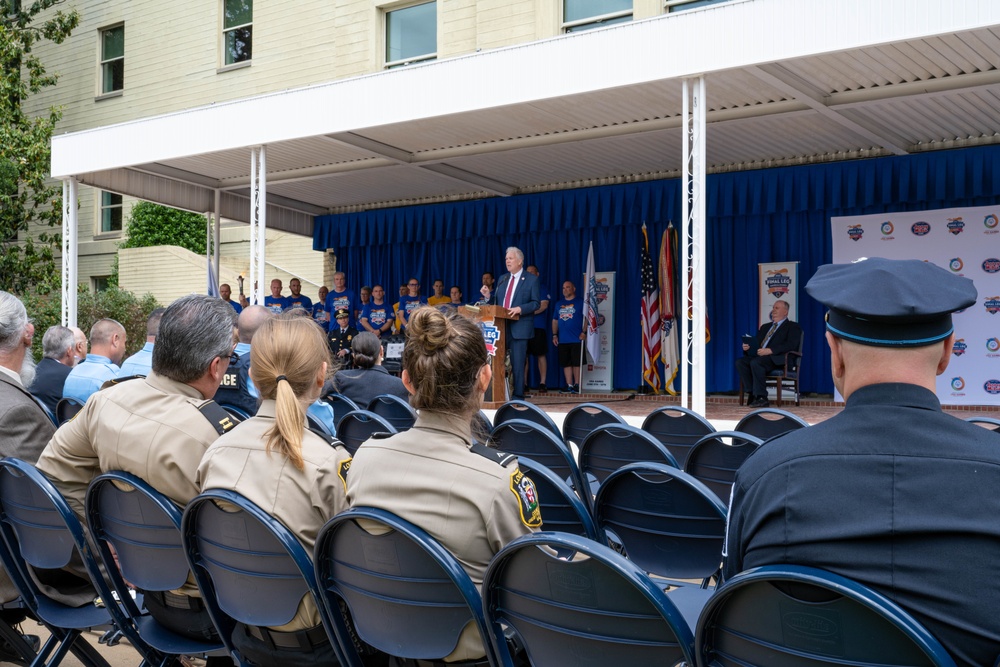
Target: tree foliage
25	148
151	224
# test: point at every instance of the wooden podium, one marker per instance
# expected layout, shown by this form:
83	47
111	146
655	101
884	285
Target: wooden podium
492	319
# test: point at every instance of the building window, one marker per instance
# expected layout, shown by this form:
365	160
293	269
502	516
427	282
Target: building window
237	30
111	212
100	283
112	59
411	34
681	5
587	14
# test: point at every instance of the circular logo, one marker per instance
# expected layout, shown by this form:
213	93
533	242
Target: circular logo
993	344
921	228
992	386
956	264
991	265
887	228
958	384
991	221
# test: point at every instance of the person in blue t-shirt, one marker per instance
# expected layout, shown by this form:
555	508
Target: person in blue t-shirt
567	334
377	316
410	302
341	298
297	300
225	291
319	312
276	303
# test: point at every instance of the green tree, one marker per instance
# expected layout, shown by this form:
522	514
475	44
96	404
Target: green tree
25	147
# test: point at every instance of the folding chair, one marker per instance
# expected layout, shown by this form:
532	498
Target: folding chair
607	448
358	426
394	410
249	568
341	406
45	409
584	418
677	428
407	595
714	462
516	409
562	509
524	438
482	427
237	413
988	423
144	528
794	616
66	409
765	423
597	610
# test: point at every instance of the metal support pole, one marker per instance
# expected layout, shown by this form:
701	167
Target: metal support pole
70	250
685	240
258	223
217	215
693	244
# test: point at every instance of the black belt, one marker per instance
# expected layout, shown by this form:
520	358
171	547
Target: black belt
168	599
315	636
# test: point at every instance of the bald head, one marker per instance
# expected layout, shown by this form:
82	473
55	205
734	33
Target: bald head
107	338
250	320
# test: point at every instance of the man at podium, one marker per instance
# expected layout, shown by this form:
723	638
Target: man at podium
517	292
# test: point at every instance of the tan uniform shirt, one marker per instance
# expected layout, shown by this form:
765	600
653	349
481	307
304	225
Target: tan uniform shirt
302	500
467	502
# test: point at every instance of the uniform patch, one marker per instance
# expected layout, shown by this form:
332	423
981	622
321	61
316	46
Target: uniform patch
345	467
527	499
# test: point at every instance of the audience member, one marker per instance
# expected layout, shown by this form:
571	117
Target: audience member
456	297
237	388
365	294
892	492
369	379
341	298
439	298
567	334
141	362
486	501
340	338
297	299
79	345
274	301
158	429
296	476
225	291
319	312
57	361
410	302
772	342
107	348
398	321
375	317
488	281
517	292
538	346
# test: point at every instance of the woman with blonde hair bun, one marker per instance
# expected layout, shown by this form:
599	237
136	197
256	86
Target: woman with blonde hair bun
292	473
470	498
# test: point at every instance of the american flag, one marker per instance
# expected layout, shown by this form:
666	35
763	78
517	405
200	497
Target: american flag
650	318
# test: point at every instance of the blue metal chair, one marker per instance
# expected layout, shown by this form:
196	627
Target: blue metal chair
45	409
66	409
766	423
341	406
562	509
144	528
394	410
988	423
607	448
794	616
524	438
677	428
358	426
407	595
39	530
714	462
249	568
597	610
517	409
584	418
238	413
482	427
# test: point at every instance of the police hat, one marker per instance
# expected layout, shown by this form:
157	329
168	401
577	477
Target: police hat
890	302
341	312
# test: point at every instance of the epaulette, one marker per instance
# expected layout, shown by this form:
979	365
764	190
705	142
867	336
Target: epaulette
327	438
221	420
381	435
503	458
113	381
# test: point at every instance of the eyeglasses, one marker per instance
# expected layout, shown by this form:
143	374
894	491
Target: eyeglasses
414	284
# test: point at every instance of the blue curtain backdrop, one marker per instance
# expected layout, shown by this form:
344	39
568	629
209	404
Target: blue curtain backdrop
767	215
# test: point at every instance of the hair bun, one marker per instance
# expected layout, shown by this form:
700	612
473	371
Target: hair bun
429	330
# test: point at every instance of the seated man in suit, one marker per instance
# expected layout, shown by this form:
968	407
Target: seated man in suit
772	342
58	359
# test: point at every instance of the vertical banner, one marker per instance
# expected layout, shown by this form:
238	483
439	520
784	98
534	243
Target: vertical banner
965	241
669	337
597	376
590	308
777	281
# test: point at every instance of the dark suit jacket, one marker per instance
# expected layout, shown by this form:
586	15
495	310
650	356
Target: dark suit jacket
784	340
362	385
526	296
50	377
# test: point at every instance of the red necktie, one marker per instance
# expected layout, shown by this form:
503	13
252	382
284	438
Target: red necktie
510	292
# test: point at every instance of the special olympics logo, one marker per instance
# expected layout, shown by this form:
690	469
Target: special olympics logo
921	228
956	226
991	265
956	264
959	348
991	221
855	232
958	384
992	386
887	228
992	304
993	344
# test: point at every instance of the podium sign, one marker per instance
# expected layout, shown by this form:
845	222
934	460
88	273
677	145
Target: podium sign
491	320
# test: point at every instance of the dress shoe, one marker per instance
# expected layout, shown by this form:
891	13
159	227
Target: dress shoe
761	403
542	388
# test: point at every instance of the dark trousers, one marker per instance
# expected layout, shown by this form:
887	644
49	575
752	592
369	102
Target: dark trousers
518	348
193	623
753	371
266	654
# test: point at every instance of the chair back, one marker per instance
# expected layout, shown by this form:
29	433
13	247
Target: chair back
599	610
358	426
524	438
408	596
988	423
394	410
341	406
517	409
678	428
714	462
317	425
669	523
788	615
766	423
562	510
607	448
45	409
66	409
482	427
239	414
584	418
249	568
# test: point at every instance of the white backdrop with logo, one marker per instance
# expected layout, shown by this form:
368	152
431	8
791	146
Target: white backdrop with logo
597	376
965	241
777	281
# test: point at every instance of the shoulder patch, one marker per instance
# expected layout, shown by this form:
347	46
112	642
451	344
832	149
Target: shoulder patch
342	470
113	381
527	499
503	458
217	416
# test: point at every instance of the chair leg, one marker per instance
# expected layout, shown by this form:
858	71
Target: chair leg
777	387
741	393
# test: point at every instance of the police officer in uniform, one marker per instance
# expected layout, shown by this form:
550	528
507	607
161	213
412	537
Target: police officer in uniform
156	428
470	498
237	389
341	336
892	492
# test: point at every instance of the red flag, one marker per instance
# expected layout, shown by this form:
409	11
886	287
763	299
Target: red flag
650	318
669	336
